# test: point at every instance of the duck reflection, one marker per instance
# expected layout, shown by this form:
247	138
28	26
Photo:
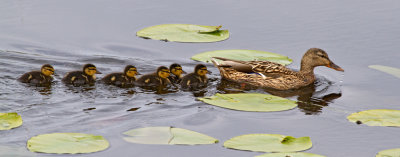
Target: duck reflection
310	99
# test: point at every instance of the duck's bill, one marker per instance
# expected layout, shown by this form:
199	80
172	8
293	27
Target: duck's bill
184	72
209	72
98	72
334	66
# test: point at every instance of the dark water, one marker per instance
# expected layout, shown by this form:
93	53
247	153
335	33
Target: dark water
68	34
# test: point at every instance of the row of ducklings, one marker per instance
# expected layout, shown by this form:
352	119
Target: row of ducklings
127	78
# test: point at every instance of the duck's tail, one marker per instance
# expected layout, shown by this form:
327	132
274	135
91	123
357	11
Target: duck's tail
220	68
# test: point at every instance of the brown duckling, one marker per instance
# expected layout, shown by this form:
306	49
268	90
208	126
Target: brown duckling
176	71
159	78
39	78
85	77
197	79
124	79
274	75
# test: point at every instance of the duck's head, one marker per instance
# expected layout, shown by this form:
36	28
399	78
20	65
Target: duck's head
163	72
130	71
90	69
176	69
317	57
201	70
47	70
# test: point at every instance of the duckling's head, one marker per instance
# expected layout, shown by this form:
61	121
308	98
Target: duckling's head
90	69
130	71
201	70
317	57
176	69
47	70
163	72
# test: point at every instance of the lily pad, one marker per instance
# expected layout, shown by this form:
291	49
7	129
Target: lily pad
244	55
390	70
67	143
378	117
184	33
268	143
250	102
389	153
10	120
167	135
296	154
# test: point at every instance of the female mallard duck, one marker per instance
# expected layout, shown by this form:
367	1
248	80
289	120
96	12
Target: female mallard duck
85	77
125	79
274	75
159	78
176	71
197	79
39	78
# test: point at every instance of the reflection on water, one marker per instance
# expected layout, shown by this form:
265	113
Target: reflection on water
310	99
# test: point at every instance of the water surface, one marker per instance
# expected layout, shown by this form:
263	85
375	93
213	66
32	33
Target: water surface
68	34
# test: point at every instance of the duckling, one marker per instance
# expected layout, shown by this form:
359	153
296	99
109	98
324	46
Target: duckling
197	79
159	78
85	77
125	79
274	75
39	78
176	71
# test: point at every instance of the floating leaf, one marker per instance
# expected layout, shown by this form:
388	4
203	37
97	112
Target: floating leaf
250	102
378	117
184	33
167	135
296	154
67	143
9	121
389	153
268	143
390	70
244	55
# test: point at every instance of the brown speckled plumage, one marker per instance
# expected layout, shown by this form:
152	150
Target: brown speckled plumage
273	75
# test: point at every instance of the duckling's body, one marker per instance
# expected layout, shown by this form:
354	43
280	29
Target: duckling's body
79	78
176	71
123	79
197	79
273	75
158	78
39	78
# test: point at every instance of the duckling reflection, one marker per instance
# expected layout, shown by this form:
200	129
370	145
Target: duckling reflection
310	99
176	71
39	78
196	80
85	77
125	79
156	79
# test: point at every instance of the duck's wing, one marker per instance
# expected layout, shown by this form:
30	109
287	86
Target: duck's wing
265	67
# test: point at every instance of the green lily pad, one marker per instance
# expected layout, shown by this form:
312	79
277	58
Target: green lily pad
250	102
268	143
389	153
390	70
67	143
167	135
9	121
184	33
244	55
296	154
378	117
